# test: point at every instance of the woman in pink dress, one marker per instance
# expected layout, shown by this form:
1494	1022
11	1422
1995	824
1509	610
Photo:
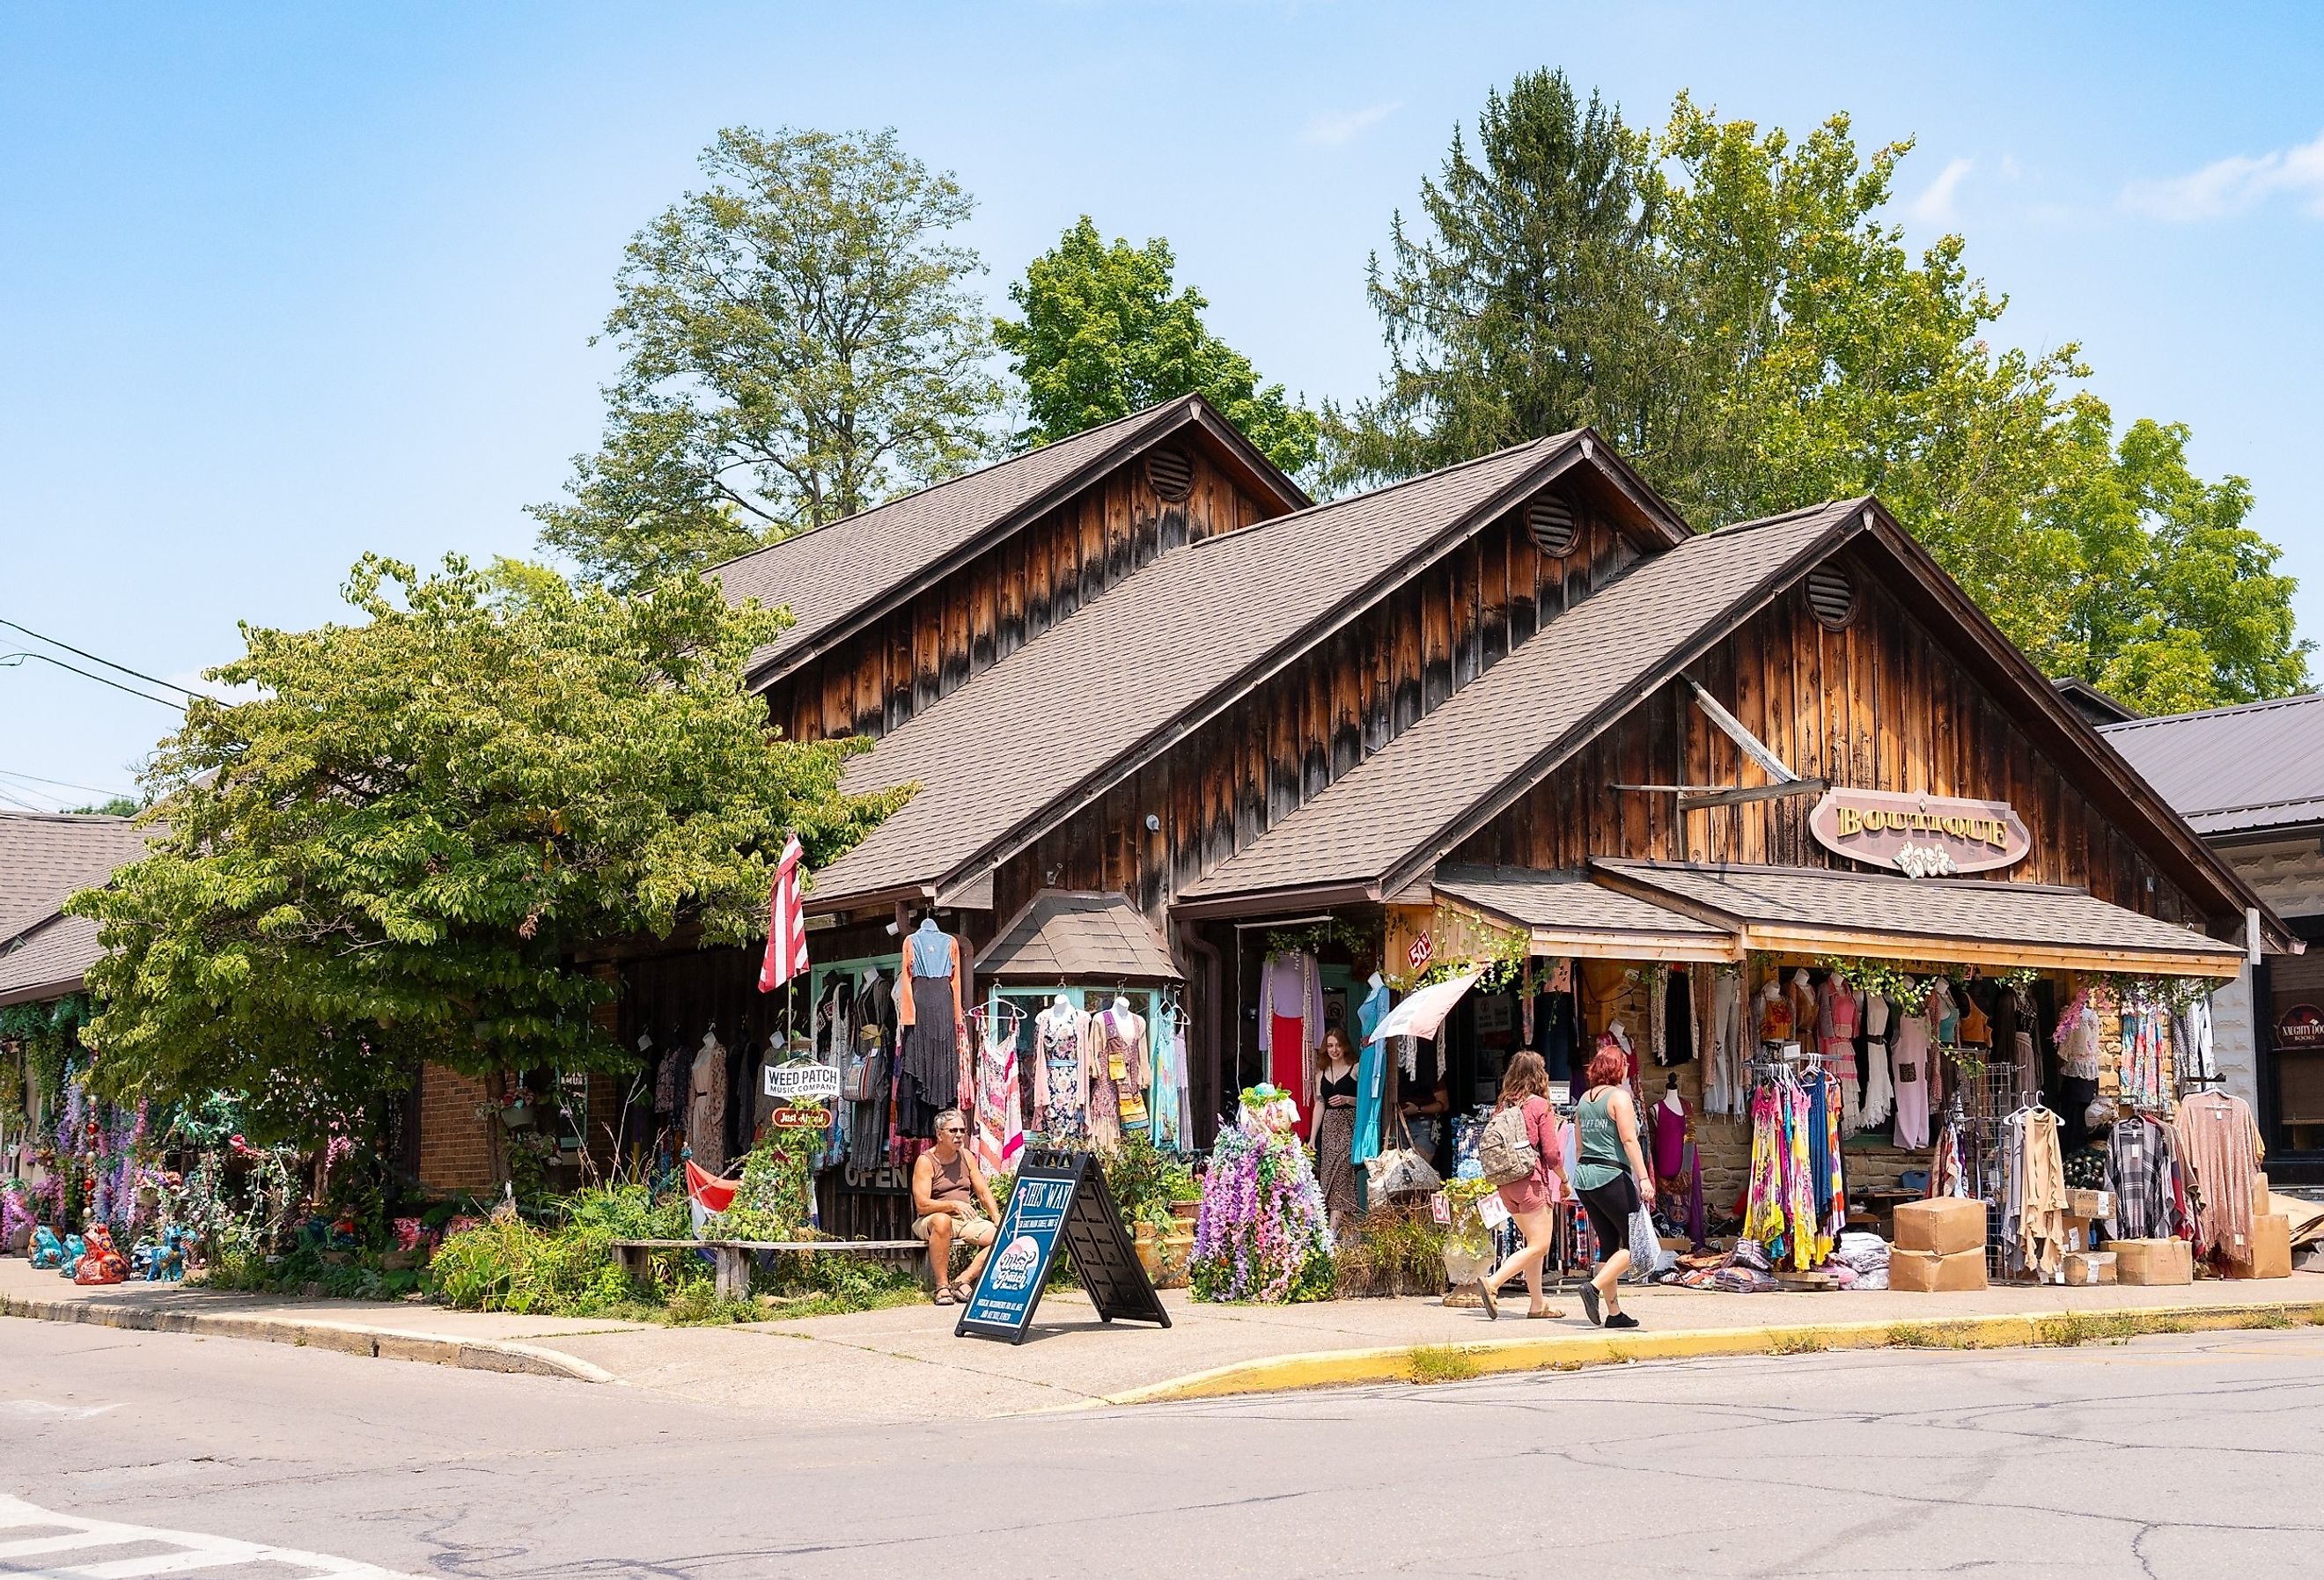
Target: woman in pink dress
1525	1083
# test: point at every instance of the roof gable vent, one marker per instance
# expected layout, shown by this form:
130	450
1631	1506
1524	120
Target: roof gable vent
1551	521
1172	474
1832	596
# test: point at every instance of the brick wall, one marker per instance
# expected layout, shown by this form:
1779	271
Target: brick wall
456	1147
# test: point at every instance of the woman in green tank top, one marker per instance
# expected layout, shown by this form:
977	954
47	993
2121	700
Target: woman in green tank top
1610	1175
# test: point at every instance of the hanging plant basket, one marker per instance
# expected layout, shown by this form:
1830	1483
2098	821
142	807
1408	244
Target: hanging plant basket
517	1116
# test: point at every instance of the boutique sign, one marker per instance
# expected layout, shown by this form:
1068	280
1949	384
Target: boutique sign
1922	836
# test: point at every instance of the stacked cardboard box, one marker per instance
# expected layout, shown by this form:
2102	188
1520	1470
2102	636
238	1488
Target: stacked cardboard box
1940	1246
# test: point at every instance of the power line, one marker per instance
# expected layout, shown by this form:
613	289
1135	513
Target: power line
109	664
11	661
60	784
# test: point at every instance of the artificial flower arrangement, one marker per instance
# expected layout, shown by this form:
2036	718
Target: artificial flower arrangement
1261	1233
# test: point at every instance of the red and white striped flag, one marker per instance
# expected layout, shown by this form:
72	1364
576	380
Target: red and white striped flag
786	923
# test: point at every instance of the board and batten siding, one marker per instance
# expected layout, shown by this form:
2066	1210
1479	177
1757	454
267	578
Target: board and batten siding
936	641
1880	704
1218	790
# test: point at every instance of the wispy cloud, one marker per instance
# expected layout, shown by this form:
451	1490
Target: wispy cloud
1935	206
1331	131
2235	185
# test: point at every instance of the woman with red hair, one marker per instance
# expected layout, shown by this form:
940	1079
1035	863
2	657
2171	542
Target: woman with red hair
1611	1176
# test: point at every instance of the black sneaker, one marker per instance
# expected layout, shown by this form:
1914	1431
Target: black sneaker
1621	1319
1589	1303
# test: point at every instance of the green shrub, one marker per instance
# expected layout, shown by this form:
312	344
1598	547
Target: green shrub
506	1265
1391	1250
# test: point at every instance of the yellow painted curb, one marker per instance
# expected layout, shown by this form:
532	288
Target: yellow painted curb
1568	1352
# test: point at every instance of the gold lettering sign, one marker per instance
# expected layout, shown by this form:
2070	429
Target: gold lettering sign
1923	836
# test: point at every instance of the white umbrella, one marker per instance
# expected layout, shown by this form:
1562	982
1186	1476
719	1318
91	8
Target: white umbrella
1423	1014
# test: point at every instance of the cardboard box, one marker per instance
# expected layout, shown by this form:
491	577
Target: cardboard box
2089	1204
1944	1226
1926	1272
2153	1262
2270	1246
2260	1204
2090	1267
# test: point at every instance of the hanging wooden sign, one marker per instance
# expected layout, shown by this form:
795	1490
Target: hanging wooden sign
2299	1027
1922	836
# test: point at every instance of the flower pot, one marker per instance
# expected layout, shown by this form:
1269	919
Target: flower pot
517	1115
1149	1252
1186	1212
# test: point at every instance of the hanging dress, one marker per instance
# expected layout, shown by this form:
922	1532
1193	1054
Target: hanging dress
999	1107
1836	1018
933	1038
1879	1092
1060	1077
1911	1076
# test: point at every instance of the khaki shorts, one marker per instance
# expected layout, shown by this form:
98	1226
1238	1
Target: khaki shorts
974	1230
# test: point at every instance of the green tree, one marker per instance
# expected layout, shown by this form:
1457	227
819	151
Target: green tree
395	850
1527	303
1743	322
1106	332
798	342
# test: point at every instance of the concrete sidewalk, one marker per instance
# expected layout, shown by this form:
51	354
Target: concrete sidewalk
904	1364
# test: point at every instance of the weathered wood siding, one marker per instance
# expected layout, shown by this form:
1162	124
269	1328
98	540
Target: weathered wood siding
932	644
1879	705
1217	791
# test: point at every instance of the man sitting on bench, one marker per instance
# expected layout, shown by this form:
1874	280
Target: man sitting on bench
951	1201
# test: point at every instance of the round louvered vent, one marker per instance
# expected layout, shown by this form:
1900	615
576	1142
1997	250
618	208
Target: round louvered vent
1171	472
1553	526
1831	595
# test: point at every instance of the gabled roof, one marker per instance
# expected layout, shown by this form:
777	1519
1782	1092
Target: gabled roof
837	577
2244	769
1399	812
2093	704
1091	699
1583	671
1070	937
46	858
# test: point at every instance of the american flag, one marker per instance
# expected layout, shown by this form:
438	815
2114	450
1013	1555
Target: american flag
786	923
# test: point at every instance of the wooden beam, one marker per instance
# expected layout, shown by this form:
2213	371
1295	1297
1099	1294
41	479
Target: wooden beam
1753	747
1912	946
1705	800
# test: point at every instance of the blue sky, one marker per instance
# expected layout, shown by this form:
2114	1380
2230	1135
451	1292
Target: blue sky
282	285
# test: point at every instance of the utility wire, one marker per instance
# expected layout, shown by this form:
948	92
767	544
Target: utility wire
60	784
109	663
13	660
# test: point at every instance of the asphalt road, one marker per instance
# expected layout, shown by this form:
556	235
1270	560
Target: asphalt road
2191	1456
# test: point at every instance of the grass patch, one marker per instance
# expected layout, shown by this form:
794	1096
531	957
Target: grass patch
2273	1319
1932	1335
1440	1364
1797	1344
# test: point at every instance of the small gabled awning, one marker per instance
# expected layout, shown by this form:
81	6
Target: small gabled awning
1070	938
1807	910
1566	913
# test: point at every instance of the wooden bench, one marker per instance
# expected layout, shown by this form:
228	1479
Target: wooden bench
732	1257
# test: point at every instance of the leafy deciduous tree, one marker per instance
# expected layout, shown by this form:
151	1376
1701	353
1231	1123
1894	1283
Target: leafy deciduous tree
1104	334
798	343
393	852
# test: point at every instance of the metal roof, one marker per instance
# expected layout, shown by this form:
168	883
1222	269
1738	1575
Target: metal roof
2237	769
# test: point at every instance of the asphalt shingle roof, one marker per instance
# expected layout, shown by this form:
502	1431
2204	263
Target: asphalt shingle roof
1568	901
1143	659
2234	770
1972	911
1071	937
44	860
1547	697
829	575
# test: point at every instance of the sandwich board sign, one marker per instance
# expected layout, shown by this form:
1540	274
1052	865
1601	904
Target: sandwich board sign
1059	1201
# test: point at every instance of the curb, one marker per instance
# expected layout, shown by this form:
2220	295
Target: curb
1571	1352
342	1338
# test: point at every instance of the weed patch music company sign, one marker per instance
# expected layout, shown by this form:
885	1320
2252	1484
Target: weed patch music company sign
1922	836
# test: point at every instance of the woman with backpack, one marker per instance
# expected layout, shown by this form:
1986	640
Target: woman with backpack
1611	1176
1519	1153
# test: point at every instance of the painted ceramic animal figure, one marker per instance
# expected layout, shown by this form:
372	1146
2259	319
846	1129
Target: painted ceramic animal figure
48	1250
100	1262
75	1249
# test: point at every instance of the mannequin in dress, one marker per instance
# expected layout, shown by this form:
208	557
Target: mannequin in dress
705	1106
1061	1072
1775	1013
1119	1034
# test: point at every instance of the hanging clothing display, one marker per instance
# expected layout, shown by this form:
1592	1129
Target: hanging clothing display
1371	1074
1291	1023
933	1024
669	1081
1722	1040
2197	1062
705	1105
2033	1194
1676	1045
2217	1142
999	1102
1118	1086
1910	1058
1172	1111
1837	1014
2144	1029
1796	1195
2142	1176
1879	1100
1775	1021
1061	1072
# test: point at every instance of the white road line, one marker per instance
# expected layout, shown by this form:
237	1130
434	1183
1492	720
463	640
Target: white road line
195	1552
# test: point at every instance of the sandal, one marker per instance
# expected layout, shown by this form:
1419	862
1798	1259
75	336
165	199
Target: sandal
945	1297
1485	1294
964	1290
1545	1312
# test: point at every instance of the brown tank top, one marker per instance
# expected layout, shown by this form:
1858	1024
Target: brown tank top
950	1184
